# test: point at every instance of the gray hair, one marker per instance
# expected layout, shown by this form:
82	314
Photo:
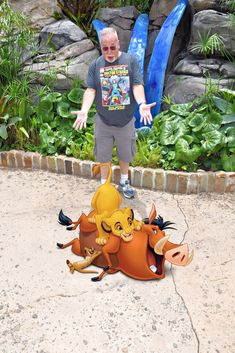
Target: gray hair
108	30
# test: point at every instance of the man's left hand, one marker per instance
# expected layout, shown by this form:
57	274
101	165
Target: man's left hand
145	113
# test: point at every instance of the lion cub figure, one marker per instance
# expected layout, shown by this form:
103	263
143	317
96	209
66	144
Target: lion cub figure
105	201
121	223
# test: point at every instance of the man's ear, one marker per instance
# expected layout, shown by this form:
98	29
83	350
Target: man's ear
105	226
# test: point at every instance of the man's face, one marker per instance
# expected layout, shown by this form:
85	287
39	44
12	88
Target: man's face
110	47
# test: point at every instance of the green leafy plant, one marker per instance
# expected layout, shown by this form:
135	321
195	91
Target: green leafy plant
228	5
55	121
15	85
80	12
15	38
197	135
209	45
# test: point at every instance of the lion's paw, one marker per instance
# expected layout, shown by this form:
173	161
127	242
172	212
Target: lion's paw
101	241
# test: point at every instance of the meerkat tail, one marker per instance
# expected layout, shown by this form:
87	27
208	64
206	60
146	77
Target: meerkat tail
86	271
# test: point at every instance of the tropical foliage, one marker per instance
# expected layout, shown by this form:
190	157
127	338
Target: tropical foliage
197	135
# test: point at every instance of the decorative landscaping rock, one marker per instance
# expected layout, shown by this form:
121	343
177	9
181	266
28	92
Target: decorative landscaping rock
122	19
200	5
60	34
184	88
39	14
160	10
209	22
72	54
215	67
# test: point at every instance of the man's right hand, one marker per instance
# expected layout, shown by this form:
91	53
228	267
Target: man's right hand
80	122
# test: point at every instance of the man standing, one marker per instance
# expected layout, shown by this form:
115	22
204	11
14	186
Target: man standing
114	81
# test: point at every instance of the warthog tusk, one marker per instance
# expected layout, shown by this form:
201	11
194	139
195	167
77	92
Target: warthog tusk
190	258
160	245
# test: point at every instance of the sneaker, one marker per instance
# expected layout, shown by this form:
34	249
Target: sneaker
126	190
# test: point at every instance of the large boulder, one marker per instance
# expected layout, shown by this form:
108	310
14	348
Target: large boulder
122	19
208	22
185	88
60	34
199	5
39	14
64	49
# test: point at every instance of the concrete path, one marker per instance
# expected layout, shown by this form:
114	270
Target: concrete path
45	309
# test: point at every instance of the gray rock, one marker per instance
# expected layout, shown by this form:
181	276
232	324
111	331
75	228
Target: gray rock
200	5
66	72
184	88
60	34
124	37
215	67
78	67
107	14
39	15
123	23
74	50
208	22
160	10
122	19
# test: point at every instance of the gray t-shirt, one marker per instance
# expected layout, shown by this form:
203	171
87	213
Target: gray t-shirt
113	82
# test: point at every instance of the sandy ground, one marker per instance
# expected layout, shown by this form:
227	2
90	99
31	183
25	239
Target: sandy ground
45	309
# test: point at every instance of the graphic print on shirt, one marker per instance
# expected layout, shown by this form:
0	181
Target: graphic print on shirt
115	87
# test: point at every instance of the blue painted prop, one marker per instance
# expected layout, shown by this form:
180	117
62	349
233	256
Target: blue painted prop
137	47
98	25
159	58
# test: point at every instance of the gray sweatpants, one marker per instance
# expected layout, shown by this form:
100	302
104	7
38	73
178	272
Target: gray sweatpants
105	137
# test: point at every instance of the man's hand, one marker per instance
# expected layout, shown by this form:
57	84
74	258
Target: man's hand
80	122
145	113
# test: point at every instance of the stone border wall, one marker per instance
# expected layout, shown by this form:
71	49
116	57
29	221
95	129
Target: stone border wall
155	179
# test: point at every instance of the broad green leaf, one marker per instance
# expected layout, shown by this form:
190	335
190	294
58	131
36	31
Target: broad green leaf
223	105
53	97
186	154
215	119
231	137
51	149
3	131
22	109
212	139
48	117
24	131
44	107
228	162
181	109
171	132
229	118
226	127
63	109
188	138
197	122
14	120
75	95
228	91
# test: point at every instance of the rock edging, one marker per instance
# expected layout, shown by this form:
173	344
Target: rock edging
155	179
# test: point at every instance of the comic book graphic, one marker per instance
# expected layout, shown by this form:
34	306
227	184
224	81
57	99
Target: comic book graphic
115	87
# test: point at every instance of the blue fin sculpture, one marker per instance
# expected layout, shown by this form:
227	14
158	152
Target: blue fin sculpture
137	47
159	58
98	25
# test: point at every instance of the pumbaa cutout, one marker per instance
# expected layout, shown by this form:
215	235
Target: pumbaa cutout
116	241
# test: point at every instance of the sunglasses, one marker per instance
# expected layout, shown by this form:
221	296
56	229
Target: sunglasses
113	47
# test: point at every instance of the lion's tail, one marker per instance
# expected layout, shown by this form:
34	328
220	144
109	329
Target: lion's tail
96	170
